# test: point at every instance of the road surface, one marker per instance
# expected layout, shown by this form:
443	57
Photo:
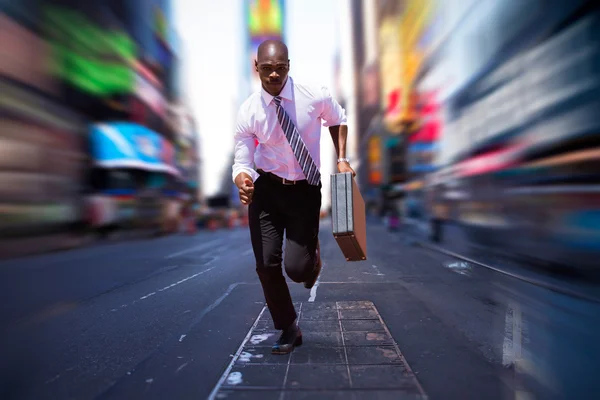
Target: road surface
164	318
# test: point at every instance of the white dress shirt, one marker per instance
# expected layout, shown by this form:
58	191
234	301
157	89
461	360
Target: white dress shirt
307	107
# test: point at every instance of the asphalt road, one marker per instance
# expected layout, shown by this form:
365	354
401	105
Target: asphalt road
162	318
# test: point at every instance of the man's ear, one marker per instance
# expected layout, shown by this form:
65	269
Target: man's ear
256	65
289	65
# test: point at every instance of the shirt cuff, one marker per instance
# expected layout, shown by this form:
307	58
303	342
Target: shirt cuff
253	174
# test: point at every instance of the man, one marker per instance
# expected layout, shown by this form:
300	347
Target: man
281	182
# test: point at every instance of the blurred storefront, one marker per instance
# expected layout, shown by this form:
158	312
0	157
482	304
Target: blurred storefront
42	142
387	48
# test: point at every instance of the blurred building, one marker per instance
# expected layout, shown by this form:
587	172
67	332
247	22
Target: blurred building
386	36
42	140
93	82
516	85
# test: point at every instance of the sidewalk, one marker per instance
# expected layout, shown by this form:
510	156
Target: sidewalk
21	247
349	354
36	245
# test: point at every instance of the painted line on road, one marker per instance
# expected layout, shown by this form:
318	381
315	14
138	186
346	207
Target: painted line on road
164	289
513	336
203	246
216	303
313	290
377	270
533	281
225	375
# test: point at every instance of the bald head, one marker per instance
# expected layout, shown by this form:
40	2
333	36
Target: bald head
272	65
272	49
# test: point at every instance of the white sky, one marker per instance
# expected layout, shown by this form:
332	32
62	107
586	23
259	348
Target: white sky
212	34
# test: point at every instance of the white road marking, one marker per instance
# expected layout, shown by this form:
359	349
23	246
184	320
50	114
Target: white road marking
513	333
460	267
246	357
166	288
256	339
182	366
215	390
181	338
203	246
216	303
148	295
377	270
507	346
149	380
313	290
234	378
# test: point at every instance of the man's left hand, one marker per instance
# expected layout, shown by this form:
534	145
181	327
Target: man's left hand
345	167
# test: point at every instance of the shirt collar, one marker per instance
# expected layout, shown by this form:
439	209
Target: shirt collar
286	92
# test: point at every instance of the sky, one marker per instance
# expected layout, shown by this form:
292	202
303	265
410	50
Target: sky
212	47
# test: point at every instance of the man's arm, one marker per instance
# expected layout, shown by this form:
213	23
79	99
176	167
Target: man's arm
339	134
334	116
243	172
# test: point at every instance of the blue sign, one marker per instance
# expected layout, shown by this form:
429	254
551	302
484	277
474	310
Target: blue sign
129	145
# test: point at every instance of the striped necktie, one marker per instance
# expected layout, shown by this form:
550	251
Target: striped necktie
311	172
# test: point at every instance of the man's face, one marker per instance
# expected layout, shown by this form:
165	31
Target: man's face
273	71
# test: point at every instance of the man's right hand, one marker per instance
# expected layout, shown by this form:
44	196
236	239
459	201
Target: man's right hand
246	188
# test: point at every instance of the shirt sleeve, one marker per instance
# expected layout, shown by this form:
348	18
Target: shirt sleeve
333	113
245	146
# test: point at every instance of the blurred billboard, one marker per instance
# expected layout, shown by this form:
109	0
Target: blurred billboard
264	20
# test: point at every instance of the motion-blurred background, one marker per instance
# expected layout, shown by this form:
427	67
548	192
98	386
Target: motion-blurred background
475	133
117	116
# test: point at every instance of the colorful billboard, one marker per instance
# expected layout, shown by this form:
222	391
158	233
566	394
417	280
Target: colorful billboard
88	56
128	145
264	21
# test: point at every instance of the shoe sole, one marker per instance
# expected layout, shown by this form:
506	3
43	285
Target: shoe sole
297	343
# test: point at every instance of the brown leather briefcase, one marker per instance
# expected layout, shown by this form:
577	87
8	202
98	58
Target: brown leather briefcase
348	217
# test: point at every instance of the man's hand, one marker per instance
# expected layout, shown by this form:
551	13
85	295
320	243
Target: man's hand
345	167
246	191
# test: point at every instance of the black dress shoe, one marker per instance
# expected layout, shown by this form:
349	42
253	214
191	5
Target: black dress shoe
316	271
289	339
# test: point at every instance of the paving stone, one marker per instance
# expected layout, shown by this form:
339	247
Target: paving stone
320	326
319	355
318	377
318	306
321	339
249	395
360	313
352	305
373	355
362	326
367	338
317	315
383	377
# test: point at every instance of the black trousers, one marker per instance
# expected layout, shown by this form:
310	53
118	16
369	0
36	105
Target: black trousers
277	208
